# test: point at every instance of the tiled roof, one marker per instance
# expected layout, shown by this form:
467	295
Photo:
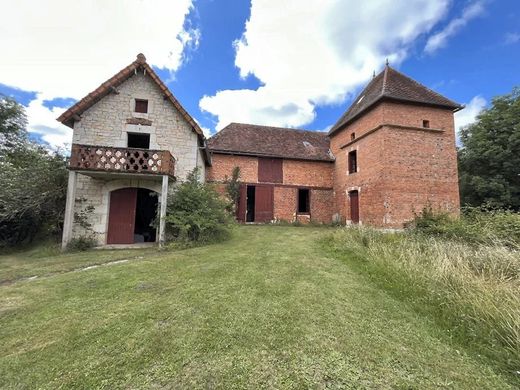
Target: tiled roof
392	85
67	118
254	140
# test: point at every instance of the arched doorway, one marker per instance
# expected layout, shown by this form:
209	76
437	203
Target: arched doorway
132	212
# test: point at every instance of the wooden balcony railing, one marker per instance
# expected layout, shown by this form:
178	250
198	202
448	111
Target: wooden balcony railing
124	160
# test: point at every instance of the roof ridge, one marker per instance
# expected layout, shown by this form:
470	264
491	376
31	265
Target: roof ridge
276	127
385	77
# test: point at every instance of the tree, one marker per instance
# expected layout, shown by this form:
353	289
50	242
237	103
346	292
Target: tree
233	187
489	161
33	190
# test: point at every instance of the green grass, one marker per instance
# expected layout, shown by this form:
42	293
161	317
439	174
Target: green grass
267	309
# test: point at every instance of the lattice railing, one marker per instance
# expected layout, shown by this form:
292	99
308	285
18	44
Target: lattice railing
127	160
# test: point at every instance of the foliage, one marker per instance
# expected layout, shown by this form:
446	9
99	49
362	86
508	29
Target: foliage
196	212
480	225
82	217
34	181
81	244
490	156
471	290
233	186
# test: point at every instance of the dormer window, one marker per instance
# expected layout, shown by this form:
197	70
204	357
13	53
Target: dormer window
141	106
426	124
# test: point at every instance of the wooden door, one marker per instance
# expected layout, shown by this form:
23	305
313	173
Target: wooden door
264	199
121	218
270	170
354	206
242	201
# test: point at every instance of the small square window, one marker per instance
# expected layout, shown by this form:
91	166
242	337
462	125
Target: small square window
426	124
352	136
303	201
141	105
352	162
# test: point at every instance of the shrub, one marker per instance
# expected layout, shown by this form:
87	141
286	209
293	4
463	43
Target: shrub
196	212
81	244
477	225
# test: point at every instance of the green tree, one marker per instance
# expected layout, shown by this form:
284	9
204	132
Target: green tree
233	187
489	161
33	181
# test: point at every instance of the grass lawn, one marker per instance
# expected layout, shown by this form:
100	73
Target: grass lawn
268	309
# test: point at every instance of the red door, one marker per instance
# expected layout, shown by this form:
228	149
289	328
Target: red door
121	218
264	196
242	202
354	206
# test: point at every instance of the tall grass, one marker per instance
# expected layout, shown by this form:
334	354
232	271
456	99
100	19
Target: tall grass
471	289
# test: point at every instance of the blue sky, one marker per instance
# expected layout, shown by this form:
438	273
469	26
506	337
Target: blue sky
295	63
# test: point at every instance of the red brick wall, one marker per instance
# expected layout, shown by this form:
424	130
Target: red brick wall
315	175
401	170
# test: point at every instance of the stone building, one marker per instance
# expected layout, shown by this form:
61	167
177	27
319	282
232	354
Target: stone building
131	141
390	155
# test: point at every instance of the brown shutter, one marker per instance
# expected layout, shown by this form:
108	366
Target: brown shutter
121	218
264	197
354	206
242	201
270	170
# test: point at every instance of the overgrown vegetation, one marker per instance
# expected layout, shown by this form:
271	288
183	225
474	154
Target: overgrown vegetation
233	188
196	213
81	244
490	156
463	273
34	184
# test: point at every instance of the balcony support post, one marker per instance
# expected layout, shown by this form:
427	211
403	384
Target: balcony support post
162	215
69	210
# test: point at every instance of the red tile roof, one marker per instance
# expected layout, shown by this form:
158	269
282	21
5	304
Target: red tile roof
69	116
267	141
392	85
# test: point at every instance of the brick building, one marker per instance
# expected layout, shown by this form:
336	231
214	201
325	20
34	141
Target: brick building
391	154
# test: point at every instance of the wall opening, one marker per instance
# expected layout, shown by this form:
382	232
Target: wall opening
352	161
138	140
426	124
250	205
145	215
141	106
304	204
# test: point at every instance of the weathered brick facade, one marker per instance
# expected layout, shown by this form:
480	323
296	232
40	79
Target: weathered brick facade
314	175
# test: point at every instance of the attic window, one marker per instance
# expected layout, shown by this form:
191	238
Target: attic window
141	105
352	136
426	124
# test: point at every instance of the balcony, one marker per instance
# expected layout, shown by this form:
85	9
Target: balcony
102	160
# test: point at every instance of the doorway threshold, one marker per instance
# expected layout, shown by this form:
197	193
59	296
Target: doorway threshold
138	245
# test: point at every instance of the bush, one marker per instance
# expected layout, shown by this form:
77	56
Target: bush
197	213
476	225
81	244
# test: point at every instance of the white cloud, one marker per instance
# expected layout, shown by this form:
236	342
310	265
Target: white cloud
511	38
316	52
440	39
66	49
469	113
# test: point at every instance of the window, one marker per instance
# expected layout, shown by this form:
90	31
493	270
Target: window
141	105
352	161
140	141
352	136
270	170
426	124
303	201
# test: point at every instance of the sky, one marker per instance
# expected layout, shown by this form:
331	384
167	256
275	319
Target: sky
291	63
